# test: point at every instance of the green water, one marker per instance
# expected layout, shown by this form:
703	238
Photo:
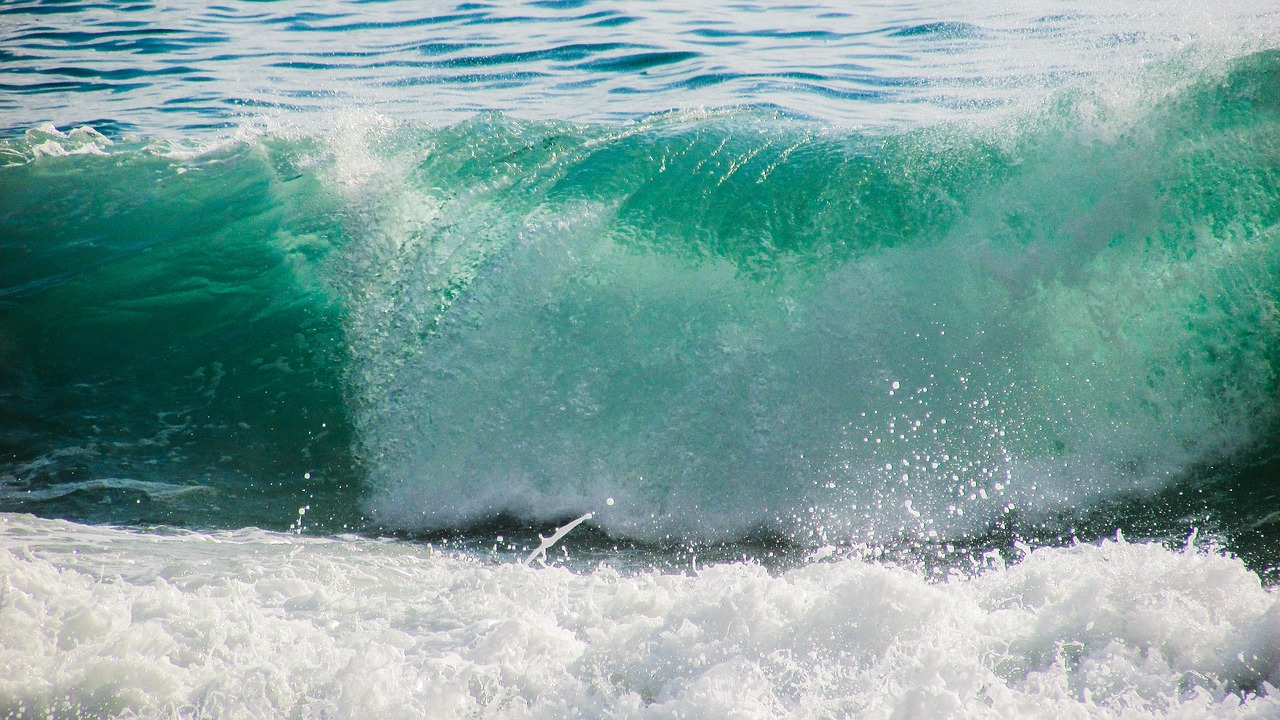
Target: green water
731	323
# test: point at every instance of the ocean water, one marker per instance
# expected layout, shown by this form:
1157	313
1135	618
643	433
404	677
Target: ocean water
903	360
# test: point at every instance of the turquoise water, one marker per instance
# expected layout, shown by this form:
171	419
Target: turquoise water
822	313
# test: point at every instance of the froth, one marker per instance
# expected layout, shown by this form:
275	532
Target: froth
251	624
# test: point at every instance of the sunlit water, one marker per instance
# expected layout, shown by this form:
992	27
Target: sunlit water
913	360
161	68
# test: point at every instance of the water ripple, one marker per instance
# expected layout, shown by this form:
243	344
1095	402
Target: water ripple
587	60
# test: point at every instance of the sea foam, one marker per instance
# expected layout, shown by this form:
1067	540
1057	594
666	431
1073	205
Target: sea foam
103	622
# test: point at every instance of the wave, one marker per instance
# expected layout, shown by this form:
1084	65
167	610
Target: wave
729	322
722	322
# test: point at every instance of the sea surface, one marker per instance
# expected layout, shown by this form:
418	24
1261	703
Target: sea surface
898	359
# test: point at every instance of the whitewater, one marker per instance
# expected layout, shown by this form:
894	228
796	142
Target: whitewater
903	360
107	622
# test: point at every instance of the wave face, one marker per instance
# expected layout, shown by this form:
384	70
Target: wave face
169	352
699	325
730	322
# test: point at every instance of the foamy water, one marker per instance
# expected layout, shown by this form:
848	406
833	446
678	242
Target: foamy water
104	623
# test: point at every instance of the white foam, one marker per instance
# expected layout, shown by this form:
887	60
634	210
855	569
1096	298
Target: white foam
105	622
45	140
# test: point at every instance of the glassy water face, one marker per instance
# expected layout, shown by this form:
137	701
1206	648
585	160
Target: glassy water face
183	68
